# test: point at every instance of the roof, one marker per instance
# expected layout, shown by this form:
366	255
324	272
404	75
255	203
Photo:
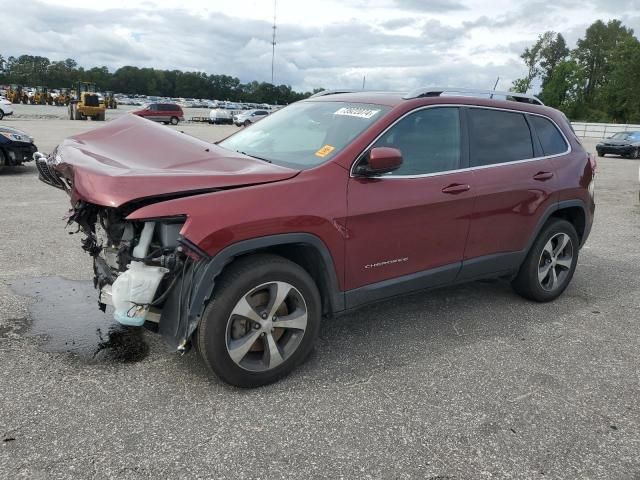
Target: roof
430	96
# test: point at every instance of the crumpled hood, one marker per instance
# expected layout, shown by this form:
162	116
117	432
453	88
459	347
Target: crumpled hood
132	158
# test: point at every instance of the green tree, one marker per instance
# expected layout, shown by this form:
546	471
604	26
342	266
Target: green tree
594	53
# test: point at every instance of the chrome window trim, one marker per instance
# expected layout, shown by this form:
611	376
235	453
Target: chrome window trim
467	169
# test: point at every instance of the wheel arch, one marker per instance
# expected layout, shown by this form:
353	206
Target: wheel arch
574	211
305	249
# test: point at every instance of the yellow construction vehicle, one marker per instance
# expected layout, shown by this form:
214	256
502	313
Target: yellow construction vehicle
86	103
42	96
63	97
110	100
16	94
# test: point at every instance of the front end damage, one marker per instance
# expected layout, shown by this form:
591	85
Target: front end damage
145	270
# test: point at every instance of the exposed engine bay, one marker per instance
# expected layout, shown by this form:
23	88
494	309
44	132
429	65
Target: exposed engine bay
136	264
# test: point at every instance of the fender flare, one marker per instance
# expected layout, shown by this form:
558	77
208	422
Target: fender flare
550	211
177	327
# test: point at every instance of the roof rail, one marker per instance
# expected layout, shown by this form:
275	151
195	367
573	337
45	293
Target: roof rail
333	92
438	91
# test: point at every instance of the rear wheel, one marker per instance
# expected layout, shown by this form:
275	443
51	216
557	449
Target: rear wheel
246	123
1	114
262	321
636	153
550	264
174	120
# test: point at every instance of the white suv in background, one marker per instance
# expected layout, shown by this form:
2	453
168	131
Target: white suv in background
249	117
5	107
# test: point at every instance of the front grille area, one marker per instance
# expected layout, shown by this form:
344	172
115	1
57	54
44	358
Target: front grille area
47	175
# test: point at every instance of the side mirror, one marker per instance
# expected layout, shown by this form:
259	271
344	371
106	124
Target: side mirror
381	160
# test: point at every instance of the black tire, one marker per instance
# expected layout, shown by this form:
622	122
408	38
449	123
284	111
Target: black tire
527	284
236	281
600	154
246	123
3	160
71	116
1	114
174	121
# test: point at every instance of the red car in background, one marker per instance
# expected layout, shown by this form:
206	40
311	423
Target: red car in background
161	112
343	199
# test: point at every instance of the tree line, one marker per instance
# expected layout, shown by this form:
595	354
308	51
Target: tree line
597	81
33	70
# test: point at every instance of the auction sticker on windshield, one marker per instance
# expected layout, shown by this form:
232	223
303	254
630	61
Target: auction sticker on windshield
324	151
356	112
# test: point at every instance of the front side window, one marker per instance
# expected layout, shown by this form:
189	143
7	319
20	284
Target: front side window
429	140
305	134
496	136
552	141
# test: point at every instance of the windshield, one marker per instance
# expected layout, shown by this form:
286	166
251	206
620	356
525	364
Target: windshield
305	134
621	136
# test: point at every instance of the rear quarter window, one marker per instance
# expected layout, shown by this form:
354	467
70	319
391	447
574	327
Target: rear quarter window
552	141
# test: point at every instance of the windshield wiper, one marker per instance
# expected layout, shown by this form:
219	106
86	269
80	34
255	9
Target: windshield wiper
255	156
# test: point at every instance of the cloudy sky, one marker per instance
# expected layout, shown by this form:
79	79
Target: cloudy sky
397	44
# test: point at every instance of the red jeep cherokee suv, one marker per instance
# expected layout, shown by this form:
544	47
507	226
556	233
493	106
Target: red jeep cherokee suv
241	247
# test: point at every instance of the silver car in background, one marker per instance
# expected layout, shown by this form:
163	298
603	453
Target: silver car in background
250	116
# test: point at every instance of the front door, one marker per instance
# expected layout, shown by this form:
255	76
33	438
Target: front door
408	229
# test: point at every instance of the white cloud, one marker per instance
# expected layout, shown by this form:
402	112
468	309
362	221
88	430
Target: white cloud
397	44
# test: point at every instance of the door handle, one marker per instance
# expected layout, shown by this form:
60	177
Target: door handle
542	176
456	188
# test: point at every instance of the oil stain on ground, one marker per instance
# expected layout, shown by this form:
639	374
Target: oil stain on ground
65	314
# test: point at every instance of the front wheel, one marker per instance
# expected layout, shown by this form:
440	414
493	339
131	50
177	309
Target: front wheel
550	264
262	322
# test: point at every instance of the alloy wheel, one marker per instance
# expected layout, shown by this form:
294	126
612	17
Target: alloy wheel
266	326
555	262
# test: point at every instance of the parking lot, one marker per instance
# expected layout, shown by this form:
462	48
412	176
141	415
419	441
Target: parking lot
469	382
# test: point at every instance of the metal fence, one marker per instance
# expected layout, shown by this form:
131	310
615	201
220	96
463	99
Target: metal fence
601	130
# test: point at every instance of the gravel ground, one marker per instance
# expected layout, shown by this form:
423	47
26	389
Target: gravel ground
462	383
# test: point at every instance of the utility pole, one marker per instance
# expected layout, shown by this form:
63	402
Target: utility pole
364	79
273	40
494	86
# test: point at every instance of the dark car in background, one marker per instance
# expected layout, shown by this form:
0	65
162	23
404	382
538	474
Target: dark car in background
162	112
16	147
625	144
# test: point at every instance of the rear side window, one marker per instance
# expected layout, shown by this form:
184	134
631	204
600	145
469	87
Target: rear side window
498	137
551	139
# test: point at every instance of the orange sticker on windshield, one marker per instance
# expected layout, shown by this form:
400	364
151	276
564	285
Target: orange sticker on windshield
324	151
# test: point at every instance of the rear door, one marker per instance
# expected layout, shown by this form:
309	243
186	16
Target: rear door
409	227
514	183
